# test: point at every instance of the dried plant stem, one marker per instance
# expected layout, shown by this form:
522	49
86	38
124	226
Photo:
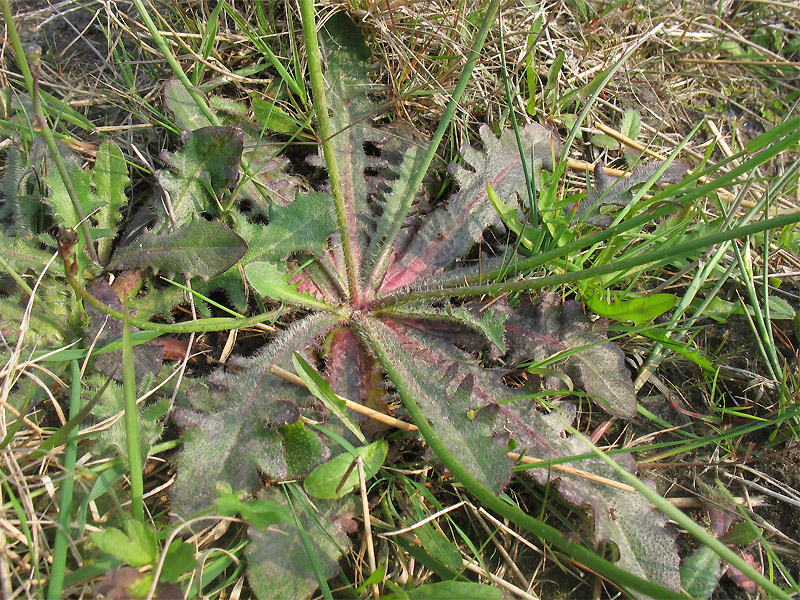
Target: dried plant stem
362	483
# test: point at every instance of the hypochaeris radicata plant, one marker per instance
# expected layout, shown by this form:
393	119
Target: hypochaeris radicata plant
412	306
374	321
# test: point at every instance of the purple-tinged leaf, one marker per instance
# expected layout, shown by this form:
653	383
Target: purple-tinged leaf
279	567
456	395
617	191
199	248
354	374
388	204
207	165
242	437
147	357
556	328
350	109
459	323
645	541
450	231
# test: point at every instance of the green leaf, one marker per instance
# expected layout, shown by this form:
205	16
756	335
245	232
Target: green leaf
110	178
22	255
279	567
208	164
264	513
637	310
740	534
180	560
700	572
301	446
631	124
137	547
273	117
446	235
509	216
645	540
58	199
302	226
258	513
198	248
186	113
438	546
268	280
450	590
602	140
328	480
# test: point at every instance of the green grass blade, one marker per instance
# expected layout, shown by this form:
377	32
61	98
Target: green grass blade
133	444
56	586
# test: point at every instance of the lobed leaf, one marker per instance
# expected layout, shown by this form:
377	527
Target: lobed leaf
198	248
302	226
455	394
450	231
347	84
279	567
234	433
207	165
645	541
562	330
110	178
609	190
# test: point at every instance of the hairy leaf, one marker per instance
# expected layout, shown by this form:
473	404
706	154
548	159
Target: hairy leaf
449	232
347	82
268	280
242	436
110	178
199	248
279	567
302	226
700	572
645	541
368	325
610	190
456	395
22	255
18	203
561	330
207	165
147	357
58	199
